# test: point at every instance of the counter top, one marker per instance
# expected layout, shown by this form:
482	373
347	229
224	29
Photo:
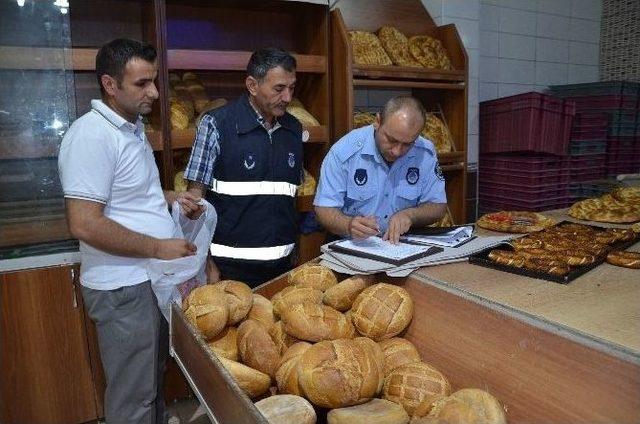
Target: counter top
603	304
41	261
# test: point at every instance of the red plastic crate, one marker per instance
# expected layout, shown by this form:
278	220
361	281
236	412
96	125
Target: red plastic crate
587	161
589	133
587	174
520	162
532	122
587	103
597	119
623	168
524	195
529	178
504	203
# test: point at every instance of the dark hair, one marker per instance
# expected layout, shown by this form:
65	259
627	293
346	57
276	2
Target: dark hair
403	102
113	57
263	60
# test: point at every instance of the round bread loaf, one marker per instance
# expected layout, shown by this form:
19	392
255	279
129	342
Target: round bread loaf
287	409
338	373
342	295
468	406
376	411
397	352
252	382
287	373
262	311
382	311
410	384
312	322
210	106
292	295
280	337
207	309
226	344
256	347
239	297
373	350
313	275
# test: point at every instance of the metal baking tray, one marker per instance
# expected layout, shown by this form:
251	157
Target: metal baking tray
481	258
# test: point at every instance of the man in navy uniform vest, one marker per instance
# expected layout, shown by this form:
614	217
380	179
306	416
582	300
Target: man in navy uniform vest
247	160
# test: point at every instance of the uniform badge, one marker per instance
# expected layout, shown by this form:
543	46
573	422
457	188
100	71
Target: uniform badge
360	177
438	172
413	175
292	160
249	161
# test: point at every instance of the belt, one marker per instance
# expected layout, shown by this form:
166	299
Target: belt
252	253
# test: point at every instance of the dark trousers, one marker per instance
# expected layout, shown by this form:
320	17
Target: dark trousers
134	344
253	273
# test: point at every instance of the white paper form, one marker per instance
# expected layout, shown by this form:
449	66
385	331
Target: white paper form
377	249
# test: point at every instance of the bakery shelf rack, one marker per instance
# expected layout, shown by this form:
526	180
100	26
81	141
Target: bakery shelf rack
438	89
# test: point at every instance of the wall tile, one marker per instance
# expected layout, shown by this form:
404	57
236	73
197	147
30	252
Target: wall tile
519	4
489	17
584	53
434	7
489	43
583	73
361	98
584	30
551	73
548	50
517	46
472	148
378	97
517	21
472	92
555	7
505	90
493	2
587	9
468	29
472	120
489	69
487	91
541	88
553	26
473	56
461	9
516	71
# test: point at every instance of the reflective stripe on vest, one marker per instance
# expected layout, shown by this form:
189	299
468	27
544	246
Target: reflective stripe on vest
252	253
250	188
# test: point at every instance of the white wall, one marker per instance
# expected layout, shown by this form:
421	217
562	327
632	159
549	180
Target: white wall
527	45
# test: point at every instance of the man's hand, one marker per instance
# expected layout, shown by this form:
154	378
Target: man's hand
189	204
173	248
363	227
399	224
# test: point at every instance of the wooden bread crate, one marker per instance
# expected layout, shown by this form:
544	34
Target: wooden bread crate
539	371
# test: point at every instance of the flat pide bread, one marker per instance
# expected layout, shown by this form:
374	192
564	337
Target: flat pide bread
620	206
429	52
396	45
515	221
436	131
367	49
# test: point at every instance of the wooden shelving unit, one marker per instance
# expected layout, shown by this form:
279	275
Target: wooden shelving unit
438	89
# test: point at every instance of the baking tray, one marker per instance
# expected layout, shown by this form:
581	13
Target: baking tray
481	258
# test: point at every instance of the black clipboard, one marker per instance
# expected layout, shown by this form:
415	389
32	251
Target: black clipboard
436	231
432	250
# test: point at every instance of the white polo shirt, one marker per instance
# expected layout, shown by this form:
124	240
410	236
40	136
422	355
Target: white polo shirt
104	158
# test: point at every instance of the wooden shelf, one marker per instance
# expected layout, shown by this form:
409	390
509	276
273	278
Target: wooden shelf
43	58
405	72
155	138
378	83
451	157
304	203
226	60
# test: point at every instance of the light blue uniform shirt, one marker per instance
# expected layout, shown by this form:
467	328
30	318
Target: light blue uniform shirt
356	179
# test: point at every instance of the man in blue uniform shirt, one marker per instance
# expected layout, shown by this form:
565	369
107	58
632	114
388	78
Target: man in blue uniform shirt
382	179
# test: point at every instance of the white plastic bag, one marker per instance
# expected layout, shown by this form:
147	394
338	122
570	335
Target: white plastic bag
166	275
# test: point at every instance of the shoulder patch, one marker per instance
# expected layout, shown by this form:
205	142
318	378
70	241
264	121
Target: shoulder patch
347	147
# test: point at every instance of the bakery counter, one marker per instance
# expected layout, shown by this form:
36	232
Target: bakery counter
540	371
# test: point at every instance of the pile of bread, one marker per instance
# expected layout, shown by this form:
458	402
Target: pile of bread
622	205
434	129
297	109
559	249
391	47
188	100
308	186
333	345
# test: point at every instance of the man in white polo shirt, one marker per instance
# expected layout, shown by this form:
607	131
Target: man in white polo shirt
118	211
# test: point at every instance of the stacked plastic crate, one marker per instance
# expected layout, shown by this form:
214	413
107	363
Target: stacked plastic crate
605	137
524	142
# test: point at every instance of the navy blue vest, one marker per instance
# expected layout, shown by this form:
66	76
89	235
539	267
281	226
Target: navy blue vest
247	153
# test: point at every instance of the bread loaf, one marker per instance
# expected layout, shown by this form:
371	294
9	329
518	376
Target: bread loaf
207	309
280	337
313	322
338	373
251	381
210	106
468	406
239	298
410	384
342	295
313	275
256	348
287	373
382	311
398	352
226	344
287	409
376	411
262	311
373	351
292	295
